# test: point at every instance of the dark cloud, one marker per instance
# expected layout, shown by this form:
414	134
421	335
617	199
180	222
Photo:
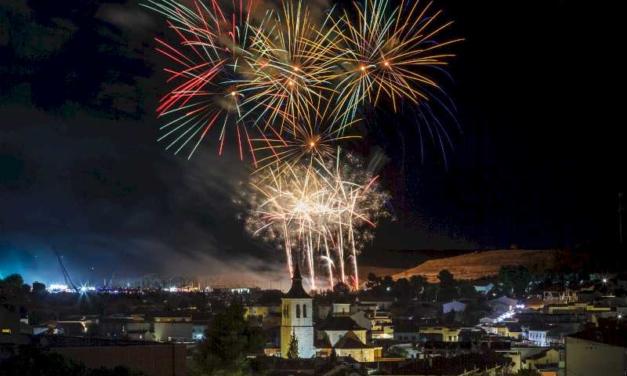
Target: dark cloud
100	198
63	57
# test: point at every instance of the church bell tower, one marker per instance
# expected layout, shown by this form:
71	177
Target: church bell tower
296	318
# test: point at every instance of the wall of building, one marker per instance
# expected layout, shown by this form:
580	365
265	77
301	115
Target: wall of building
305	335
260	311
593	358
289	312
173	331
341	308
407	336
153	360
447	334
293	320
360	355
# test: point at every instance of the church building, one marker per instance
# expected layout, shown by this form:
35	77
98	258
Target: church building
297	318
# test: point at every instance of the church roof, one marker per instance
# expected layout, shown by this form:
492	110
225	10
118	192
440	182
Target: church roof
351	341
297	291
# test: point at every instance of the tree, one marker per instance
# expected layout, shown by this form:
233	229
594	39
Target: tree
417	282
229	339
373	281
39	288
341	288
514	279
449	317
292	352
13	290
446	278
402	288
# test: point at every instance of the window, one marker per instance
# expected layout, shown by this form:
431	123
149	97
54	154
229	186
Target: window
305	310
298	311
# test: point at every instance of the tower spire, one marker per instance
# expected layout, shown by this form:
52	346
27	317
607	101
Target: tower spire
296	290
296	272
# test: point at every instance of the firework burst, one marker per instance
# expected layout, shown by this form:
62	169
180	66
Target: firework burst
288	67
207	59
314	138
388	52
323	213
288	85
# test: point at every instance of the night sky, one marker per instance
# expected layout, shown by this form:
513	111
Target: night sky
537	162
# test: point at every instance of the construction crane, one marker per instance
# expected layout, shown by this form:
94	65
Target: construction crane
66	275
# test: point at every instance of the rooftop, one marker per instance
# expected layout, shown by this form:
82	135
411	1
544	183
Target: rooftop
350	341
449	366
608	336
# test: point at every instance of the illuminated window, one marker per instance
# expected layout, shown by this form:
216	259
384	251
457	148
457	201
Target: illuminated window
6	331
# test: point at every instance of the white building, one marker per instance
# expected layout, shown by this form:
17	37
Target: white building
173	329
296	318
484	289
601	351
453	306
538	336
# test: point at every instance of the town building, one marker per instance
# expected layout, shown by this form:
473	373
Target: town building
336	327
440	333
453	306
378	323
173	329
597	351
350	345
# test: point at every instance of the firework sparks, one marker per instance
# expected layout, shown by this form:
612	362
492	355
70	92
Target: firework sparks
288	86
324	212
288	66
314	138
207	58
388	52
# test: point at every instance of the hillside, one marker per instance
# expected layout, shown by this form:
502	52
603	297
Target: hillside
483	264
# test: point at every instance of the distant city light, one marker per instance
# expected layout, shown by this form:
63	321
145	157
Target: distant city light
55	288
84	289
